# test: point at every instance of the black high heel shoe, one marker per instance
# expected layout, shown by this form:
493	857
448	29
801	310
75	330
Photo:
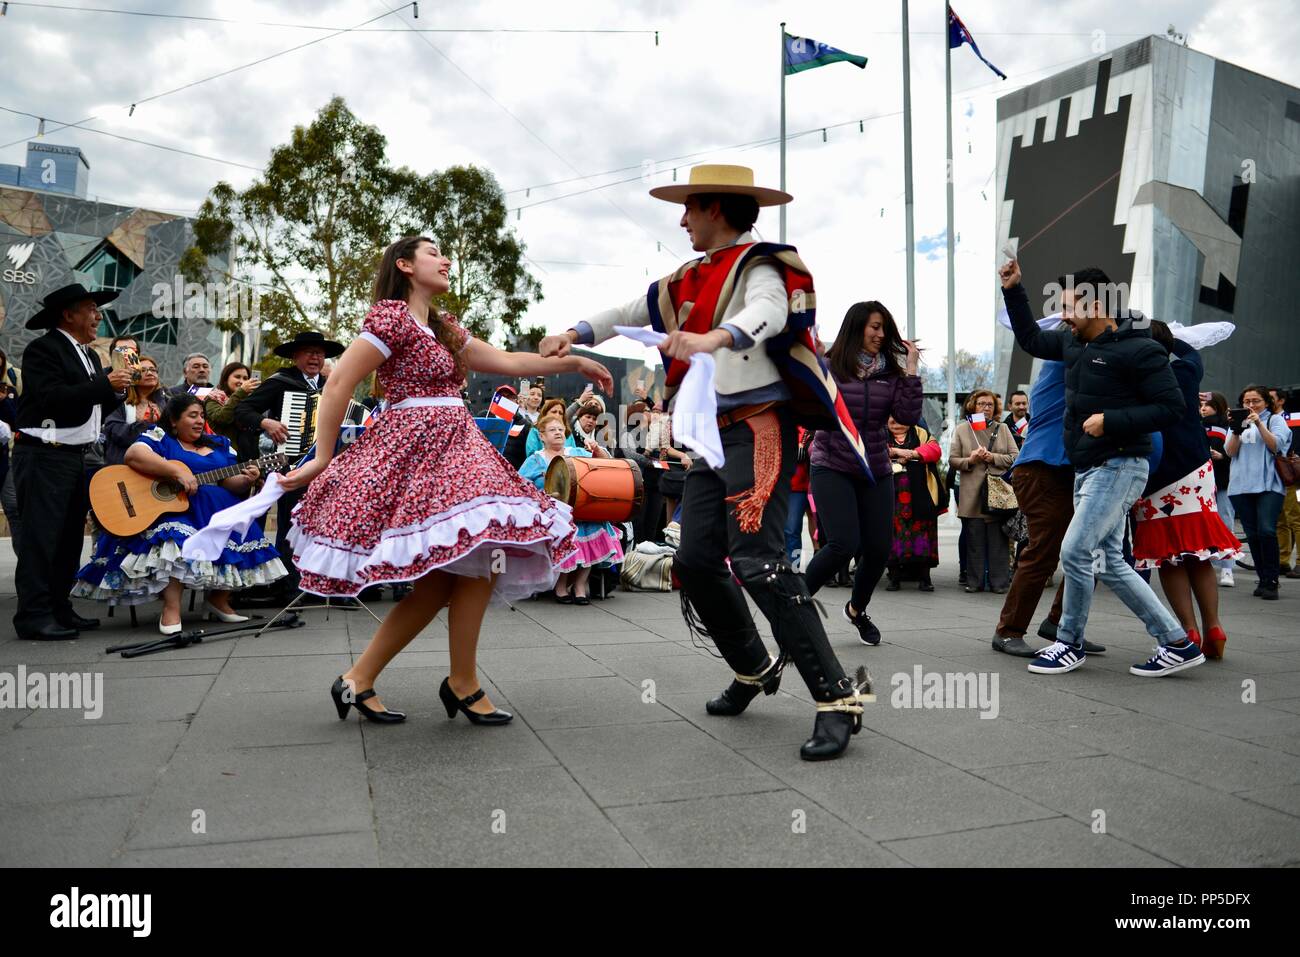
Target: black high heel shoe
341	704
454	704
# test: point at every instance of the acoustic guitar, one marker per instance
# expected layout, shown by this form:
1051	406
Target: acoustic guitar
127	502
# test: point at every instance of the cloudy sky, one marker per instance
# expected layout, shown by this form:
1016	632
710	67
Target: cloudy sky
585	110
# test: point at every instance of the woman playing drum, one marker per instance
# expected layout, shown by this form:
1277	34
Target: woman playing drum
595	540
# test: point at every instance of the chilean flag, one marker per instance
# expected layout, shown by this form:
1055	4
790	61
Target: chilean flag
1217	432
977	422
1293	420
503	408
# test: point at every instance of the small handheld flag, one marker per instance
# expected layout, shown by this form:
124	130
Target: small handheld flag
1217	432
804	54
516	430
1022	425
503	408
1293	420
978	422
958	34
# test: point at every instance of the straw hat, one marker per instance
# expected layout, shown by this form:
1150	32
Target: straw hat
721	178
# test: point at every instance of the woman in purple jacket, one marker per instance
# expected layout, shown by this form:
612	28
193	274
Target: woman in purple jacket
875	370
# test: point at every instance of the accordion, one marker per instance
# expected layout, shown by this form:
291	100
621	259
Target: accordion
298	413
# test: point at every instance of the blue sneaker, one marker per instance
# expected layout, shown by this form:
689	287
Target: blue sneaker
1168	659
1057	659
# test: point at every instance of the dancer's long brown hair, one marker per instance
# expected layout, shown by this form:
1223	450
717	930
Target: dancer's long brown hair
392	283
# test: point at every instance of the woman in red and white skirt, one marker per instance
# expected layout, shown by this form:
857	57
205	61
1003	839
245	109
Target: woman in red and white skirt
1178	529
422	496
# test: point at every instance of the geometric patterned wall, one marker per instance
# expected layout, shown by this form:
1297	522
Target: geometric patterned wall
65	232
1177	173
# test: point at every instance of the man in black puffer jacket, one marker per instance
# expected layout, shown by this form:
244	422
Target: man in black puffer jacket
1118	390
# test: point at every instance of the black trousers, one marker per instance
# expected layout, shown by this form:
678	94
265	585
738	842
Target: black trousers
50	482
859	521
711	534
283	516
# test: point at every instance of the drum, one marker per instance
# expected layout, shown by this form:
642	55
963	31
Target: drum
598	490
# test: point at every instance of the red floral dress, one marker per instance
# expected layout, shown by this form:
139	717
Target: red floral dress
423	489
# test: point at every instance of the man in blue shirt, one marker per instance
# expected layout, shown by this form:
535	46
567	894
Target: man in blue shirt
1044	482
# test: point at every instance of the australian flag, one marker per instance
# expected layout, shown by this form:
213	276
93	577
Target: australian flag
958	34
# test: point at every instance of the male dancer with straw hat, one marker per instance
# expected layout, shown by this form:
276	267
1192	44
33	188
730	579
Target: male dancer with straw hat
751	305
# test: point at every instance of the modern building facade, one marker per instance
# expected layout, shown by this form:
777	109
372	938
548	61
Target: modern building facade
51	234
1179	175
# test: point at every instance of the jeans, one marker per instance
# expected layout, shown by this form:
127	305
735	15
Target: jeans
1093	549
1229	516
794	527
1259	512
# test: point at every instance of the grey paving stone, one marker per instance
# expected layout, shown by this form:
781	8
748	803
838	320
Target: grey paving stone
581	702
626	635
646	763
531	663
541	818
132	700
1173	818
88	760
81	833
676	674
887	790
280	673
352	849
774	829
1285	798
1032	844
297	641
1225	764
963	739
256	794
271	719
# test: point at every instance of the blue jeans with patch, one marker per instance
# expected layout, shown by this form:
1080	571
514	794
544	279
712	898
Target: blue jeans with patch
1093	550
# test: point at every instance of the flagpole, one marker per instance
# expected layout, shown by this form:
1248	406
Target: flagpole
907	179
952	239
782	62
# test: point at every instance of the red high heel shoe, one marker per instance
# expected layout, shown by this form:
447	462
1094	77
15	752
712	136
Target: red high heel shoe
1194	637
1215	639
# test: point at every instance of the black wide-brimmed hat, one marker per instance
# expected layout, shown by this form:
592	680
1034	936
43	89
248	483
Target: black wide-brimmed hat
51	313
310	338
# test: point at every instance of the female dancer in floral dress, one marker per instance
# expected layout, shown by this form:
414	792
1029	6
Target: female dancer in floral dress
422	496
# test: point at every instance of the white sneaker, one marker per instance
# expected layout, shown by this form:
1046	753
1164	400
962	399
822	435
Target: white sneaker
1225	579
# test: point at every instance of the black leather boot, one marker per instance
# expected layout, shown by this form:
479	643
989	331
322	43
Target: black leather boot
736	697
715	611
783	598
830	737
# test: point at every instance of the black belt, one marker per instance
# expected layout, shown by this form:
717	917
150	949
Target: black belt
23	439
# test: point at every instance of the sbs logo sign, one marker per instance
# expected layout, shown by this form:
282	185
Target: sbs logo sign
18	255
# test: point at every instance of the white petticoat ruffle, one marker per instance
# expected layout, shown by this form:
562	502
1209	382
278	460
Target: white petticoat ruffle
523	568
147	574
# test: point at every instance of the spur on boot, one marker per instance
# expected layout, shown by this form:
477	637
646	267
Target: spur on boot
454	704
344	698
736	697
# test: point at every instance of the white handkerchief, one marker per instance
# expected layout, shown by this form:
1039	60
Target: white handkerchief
695	408
207	543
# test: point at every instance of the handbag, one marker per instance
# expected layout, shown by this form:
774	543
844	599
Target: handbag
997	497
1288	466
647	571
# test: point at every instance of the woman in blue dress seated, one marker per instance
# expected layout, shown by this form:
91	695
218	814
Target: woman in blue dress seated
136	569
596	541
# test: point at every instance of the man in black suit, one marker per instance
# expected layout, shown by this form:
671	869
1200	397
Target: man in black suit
1017	417
65	397
260	411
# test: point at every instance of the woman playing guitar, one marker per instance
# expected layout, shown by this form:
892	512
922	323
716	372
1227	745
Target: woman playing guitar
138	568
